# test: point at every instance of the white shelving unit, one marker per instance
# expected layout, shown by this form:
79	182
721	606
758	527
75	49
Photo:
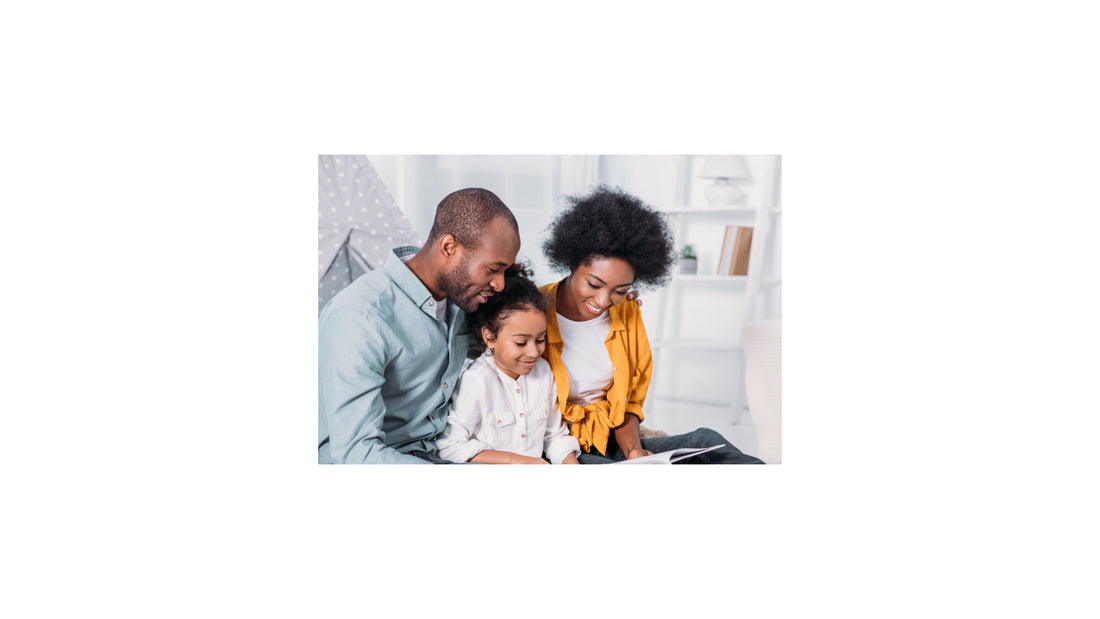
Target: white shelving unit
742	292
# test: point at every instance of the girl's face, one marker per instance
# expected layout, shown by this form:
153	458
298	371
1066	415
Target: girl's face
596	286
520	342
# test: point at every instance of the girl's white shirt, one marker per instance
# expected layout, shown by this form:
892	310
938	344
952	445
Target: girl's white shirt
491	410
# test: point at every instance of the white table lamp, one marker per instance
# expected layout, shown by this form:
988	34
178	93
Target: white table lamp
727	171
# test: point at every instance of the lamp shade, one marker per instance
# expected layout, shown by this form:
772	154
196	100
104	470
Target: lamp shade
725	166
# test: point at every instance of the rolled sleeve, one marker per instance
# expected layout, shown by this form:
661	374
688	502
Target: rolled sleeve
352	371
644	369
558	442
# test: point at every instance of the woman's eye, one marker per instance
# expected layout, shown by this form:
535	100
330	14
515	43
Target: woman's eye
620	292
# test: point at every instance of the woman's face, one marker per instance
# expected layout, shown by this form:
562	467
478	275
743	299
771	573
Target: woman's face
595	286
520	342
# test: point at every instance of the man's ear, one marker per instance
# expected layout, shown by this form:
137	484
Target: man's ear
448	247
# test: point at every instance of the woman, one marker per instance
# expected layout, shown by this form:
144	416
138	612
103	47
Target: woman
596	342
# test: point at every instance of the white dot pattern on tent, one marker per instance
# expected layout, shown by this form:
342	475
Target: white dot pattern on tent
358	222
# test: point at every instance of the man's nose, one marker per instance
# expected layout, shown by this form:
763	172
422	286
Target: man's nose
497	283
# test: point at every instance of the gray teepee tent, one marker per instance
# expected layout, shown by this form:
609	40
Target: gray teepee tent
357	223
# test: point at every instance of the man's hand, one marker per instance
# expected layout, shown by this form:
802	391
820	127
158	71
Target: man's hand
638	452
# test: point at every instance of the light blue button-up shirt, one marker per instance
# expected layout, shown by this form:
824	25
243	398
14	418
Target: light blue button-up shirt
388	366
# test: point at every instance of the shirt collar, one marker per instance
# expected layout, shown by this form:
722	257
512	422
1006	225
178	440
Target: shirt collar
508	380
408	282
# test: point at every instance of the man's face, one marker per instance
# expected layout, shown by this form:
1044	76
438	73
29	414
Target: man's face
479	273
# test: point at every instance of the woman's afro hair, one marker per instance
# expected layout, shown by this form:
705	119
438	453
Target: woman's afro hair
611	223
519	293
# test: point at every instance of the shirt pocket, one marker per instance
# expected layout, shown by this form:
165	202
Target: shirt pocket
503	426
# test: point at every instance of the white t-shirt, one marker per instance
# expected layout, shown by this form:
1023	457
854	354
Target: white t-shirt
585	357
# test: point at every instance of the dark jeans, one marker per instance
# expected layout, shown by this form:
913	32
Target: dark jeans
702	437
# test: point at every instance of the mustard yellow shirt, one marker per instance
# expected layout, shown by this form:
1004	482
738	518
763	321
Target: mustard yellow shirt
632	367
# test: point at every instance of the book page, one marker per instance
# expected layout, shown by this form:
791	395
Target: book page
668	457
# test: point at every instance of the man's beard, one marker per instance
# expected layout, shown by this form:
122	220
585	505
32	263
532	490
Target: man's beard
456	285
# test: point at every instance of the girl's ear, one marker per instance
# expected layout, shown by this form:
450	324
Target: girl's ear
487	335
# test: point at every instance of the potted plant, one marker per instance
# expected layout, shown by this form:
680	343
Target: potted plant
689	262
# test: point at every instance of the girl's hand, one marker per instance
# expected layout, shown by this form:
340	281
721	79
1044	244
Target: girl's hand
570	458
638	452
518	459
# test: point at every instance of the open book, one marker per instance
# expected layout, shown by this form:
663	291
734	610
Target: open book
668	457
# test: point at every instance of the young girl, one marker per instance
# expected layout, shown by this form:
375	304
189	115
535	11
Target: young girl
505	408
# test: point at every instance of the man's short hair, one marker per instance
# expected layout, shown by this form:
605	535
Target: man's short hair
464	214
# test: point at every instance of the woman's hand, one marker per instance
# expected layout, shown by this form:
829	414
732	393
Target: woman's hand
633	296
638	452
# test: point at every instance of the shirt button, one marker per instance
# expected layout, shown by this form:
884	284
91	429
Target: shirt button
444	385
521	414
523	436
499	422
517	390
431	302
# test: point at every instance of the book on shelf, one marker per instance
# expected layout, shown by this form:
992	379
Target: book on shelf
668	457
741	251
734	259
726	257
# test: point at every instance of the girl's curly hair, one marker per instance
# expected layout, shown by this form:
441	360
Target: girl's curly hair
611	223
519	293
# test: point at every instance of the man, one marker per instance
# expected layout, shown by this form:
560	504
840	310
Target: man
392	343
